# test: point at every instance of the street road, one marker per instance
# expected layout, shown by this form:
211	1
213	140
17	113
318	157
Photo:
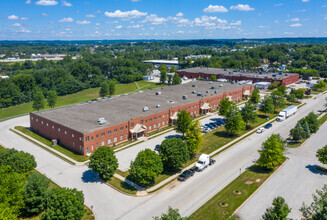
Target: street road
296	181
188	196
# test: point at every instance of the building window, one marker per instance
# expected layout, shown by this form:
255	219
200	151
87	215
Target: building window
109	141
150	127
163	123
92	138
102	134
132	124
73	144
155	118
92	148
65	132
59	129
102	143
125	135
96	136
109	132
80	139
32	118
150	119
47	124
80	147
163	115
73	135
115	130
37	120
172	113
115	139
97	145
121	137
154	126
42	122
159	116
52	127
87	138
159	124
121	128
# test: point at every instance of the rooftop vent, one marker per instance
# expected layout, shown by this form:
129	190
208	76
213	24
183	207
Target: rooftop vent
199	94
102	121
194	92
212	87
145	108
184	96
157	106
207	91
210	82
193	85
216	92
171	101
158	93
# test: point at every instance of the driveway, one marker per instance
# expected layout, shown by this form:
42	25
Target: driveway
188	196
296	181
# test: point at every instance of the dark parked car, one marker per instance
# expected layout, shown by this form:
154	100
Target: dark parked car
157	147
267	126
186	174
214	124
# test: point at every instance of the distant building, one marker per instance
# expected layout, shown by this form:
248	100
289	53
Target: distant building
238	75
168	63
264	60
193	57
148	78
262	85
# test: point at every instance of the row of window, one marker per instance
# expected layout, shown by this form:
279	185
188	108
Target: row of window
150	119
53	127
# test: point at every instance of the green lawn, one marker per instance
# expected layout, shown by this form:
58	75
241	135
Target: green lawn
61	149
82	96
294	143
88	215
121	186
224	203
322	120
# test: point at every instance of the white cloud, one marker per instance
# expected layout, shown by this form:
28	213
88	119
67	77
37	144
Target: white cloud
215	9
278	5
155	20
24	19
325	18
46	2
179	14
136	0
183	22
83	22
276	22
241	7
118	27
324	6
23	30
13	17
296	25
295	19
97	24
45	14
28	2
135	26
66	20
262	26
17	25
305	0
236	23
210	22
90	16
125	14
303	10
67	4
288	33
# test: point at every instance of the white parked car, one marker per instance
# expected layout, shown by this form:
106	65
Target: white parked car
260	130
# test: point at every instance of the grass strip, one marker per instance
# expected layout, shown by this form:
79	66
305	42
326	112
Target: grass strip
59	148
226	202
121	186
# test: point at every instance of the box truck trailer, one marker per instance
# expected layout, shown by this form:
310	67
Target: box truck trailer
287	112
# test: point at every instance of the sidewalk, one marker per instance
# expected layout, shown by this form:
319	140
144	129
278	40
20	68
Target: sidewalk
53	151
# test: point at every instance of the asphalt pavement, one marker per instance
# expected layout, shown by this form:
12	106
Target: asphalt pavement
188	196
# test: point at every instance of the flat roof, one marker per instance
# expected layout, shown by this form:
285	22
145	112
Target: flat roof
119	109
162	61
237	72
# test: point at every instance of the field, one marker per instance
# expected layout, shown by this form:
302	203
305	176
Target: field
82	96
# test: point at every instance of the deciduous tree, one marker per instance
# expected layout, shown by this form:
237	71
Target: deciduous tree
104	161
176	79
213	78
18	161
255	97
146	166
248	113
322	155
272	152
183	122
313	122
104	89
317	210
111	87
52	98
38	100
277	99
194	137
267	105
163	76
173	214
224	106
64	203
173	153
235	121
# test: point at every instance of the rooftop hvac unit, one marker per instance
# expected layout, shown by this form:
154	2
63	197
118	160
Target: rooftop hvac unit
145	108
171	101
194	92
102	121
199	94
207	91
210	82
216	92
184	96
157	106
212	87
158	93
193	85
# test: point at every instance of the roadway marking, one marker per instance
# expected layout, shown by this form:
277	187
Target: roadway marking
209	183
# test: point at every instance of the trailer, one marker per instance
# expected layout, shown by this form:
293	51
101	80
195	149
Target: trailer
287	112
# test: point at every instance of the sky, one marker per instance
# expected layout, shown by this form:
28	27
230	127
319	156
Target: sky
161	19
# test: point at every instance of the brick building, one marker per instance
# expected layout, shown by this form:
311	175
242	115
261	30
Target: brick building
86	126
238	75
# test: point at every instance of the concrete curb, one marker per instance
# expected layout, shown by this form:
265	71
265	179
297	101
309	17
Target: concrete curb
260	186
49	149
